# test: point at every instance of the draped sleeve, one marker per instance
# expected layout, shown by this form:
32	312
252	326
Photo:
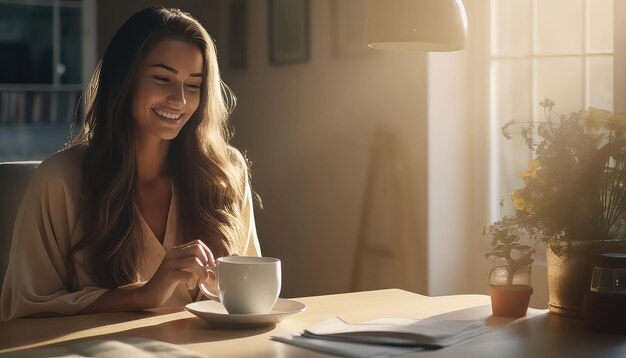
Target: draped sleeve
252	246
45	230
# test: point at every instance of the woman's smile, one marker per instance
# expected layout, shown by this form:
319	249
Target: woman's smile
168	115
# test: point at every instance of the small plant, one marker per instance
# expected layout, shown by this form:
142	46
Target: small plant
506	236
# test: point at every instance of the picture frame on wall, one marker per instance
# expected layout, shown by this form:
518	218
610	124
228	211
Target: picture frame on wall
289	31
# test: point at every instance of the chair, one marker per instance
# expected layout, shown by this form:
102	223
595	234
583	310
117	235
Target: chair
14	179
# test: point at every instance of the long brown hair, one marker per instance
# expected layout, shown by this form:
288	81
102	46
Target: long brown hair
209	175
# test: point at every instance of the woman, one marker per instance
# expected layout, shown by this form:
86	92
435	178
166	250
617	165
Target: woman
127	216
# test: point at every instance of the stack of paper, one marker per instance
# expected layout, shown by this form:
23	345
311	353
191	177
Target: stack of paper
386	337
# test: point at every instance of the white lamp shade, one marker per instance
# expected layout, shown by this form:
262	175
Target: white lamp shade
421	25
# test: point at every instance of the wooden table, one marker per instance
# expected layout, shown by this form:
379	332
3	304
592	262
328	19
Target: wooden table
541	335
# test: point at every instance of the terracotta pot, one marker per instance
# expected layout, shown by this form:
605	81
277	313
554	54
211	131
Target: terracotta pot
510	300
570	264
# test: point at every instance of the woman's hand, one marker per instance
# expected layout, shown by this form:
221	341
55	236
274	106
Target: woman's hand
183	263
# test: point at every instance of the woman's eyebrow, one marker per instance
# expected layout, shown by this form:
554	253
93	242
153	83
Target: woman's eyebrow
166	67
173	70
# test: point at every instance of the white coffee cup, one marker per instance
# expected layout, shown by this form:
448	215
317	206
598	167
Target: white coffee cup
246	284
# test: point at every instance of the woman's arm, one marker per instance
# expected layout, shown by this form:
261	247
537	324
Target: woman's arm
34	283
127	298
183	263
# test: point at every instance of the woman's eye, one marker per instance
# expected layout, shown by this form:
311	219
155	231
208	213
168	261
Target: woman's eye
161	79
193	87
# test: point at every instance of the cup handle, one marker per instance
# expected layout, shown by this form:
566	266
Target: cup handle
205	290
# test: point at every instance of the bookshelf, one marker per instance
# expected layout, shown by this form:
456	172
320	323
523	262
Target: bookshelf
40	104
48	51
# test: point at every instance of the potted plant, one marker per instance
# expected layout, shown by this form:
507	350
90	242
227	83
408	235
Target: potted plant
509	284
574	196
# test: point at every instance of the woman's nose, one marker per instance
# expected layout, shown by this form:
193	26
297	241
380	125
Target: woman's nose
177	97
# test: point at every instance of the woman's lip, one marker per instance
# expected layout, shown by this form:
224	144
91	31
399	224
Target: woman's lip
181	114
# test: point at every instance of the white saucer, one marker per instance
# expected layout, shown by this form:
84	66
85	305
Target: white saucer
213	312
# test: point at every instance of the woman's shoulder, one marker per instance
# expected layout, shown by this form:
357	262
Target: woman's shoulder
64	167
240	162
237	158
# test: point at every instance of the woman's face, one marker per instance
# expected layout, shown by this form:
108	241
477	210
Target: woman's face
167	89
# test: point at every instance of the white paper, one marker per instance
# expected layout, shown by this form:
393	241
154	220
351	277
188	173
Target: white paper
392	337
347	349
435	334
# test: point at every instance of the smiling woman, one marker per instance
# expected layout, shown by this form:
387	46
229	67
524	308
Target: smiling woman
130	212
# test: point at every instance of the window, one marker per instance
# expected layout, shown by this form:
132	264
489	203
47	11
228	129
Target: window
557	49
47	51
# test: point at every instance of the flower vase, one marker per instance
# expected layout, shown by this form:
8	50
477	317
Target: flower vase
570	265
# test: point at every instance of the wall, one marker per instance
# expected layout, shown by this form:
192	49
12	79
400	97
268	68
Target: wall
338	146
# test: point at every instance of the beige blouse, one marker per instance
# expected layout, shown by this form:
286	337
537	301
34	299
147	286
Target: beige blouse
48	224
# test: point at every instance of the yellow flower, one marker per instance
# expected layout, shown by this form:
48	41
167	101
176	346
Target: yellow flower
518	201
618	122
595	119
531	172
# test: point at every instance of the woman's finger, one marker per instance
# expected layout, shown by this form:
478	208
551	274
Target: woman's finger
204	253
189	252
185	245
207	251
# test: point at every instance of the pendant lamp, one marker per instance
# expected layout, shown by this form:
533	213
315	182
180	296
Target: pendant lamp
419	25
